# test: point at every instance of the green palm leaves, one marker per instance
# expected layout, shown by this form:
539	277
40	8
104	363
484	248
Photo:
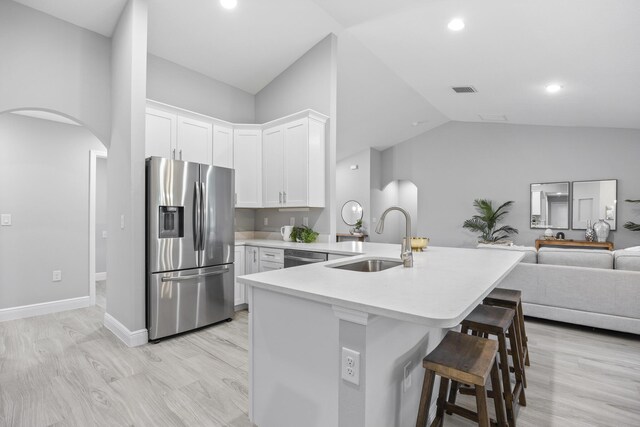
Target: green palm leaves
487	220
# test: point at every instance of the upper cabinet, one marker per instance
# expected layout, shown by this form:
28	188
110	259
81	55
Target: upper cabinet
194	141
161	131
247	154
223	146
293	161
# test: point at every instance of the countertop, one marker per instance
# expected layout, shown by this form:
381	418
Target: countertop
444	285
338	248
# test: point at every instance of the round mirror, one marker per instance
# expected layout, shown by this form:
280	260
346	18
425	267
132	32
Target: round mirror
351	212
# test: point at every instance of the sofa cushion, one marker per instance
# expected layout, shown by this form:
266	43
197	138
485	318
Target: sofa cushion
627	260
530	253
592	258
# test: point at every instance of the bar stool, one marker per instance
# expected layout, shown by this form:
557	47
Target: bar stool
511	298
486	320
466	359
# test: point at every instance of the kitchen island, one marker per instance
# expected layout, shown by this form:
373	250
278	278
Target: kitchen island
302	318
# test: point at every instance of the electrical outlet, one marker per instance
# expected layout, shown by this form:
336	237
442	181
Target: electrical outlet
56	276
5	220
266	221
406	382
350	366
305	221
104	234
122	222
292	221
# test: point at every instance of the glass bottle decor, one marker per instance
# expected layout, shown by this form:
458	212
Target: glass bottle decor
589	233
602	228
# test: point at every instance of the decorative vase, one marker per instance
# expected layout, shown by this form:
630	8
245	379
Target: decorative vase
602	228
589	234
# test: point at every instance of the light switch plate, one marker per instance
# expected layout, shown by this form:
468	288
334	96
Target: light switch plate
104	234
5	220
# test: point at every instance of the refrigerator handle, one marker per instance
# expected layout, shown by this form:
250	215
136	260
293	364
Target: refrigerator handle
196	217
202	214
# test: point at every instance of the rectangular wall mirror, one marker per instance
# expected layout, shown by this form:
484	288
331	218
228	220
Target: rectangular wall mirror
594	200
550	205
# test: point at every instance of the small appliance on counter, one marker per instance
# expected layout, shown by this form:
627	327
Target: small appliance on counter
190	246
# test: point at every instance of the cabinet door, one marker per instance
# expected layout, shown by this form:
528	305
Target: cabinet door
223	146
272	165
239	270
296	166
160	128
247	153
194	140
251	260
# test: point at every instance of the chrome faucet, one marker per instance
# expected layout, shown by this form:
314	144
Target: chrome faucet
406	255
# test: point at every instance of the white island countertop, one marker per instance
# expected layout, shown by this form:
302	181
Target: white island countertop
443	286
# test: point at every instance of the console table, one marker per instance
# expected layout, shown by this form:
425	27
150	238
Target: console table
574	244
360	237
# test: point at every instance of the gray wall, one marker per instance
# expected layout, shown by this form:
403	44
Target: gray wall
44	185
175	85
101	215
310	82
458	162
126	192
50	64
354	185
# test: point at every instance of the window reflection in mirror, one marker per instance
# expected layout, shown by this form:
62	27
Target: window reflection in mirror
594	200
550	205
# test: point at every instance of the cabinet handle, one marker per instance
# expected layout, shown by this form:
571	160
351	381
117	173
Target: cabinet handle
174	154
254	256
235	198
280	197
180	154
284	193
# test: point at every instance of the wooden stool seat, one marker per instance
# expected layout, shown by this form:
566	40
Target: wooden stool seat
512	298
462	358
487	320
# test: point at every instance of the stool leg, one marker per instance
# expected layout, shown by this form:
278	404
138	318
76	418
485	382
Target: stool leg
442	396
506	381
453	394
425	398
525	344
481	402
498	397
518	368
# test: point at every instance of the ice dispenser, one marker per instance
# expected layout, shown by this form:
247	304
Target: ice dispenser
171	222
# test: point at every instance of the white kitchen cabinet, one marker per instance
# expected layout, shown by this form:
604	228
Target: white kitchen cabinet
293	164
240	294
270	259
247	153
161	131
223	146
251	260
194	140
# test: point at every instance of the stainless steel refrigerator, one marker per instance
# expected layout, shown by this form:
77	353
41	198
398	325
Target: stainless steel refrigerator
190	245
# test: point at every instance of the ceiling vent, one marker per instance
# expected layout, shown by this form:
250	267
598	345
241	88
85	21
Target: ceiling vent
464	89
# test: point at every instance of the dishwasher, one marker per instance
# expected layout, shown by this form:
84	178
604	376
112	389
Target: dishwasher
294	257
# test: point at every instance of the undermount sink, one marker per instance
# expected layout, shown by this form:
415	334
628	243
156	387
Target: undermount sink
368	265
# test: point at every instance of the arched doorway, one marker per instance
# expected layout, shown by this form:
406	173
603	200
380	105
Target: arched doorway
45	182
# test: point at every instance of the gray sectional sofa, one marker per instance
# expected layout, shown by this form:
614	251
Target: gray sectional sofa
588	287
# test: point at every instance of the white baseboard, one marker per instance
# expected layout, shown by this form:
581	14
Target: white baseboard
24	311
131	339
101	276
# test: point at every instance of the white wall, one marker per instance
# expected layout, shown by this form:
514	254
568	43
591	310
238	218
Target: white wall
126	189
50	64
310	82
458	162
44	185
175	85
101	214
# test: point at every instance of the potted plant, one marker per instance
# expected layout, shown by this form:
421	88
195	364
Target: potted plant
632	225
486	222
357	228
304	234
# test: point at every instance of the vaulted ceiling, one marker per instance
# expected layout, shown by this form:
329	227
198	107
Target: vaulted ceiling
398	60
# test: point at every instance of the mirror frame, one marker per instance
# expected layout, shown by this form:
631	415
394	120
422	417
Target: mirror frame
342	212
569	205
615	219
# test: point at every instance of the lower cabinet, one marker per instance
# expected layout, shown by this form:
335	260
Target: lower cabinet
240	293
271	259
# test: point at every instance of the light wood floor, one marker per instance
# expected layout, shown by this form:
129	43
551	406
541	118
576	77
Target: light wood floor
65	369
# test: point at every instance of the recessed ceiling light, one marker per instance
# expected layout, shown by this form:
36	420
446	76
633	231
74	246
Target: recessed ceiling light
229	4
456	24
553	88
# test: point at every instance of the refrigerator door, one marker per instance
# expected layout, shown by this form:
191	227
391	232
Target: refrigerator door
172	214
184	300
218	236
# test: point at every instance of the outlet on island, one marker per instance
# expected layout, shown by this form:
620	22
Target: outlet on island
56	276
350	366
